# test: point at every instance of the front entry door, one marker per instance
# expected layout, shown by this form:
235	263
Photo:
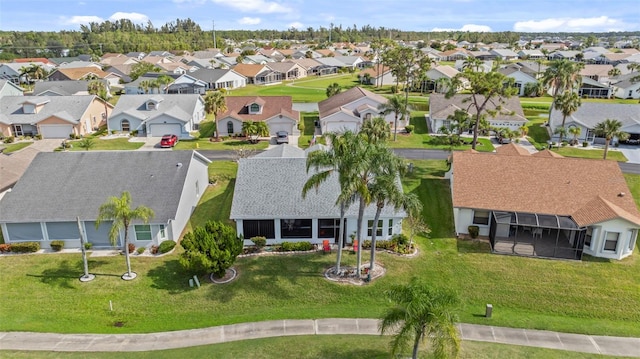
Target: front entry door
18	130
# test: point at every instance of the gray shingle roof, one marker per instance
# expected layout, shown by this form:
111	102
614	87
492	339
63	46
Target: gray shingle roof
282	151
60	186
269	187
63	88
134	105
440	107
70	108
334	103
591	113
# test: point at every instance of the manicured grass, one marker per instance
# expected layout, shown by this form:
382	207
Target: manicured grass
13	147
592	296
633	181
538	134
318	346
612	155
111	144
229	144
308	118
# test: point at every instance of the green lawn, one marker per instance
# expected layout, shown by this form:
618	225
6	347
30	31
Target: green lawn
13	147
111	144
592	153
228	144
318	346
42	292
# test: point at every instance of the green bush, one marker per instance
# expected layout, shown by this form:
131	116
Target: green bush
25	247
88	245
210	248
296	246
39	136
474	231
5	247
585	144
259	241
166	246
134	133
140	250
366	244
301	126
409	128
57	245
9	139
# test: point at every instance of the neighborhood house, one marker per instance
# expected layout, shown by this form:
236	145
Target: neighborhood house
276	111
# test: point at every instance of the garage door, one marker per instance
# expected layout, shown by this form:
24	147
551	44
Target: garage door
275	127
56	131
341	126
162	129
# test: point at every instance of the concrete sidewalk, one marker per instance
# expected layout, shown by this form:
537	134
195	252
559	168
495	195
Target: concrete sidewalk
227	333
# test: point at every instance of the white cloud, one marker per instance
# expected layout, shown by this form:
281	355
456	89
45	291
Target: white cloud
259	6
567	24
80	20
133	16
466	27
296	25
249	21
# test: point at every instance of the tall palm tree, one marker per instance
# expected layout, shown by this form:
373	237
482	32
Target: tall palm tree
376	130
567	103
119	211
609	129
215	103
333	89
614	72
161	83
418	313
337	160
145	85
99	89
396	105
562	75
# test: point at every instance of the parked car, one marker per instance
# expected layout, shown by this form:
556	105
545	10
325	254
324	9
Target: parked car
168	141
282	137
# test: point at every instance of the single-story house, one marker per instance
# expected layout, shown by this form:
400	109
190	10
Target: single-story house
437	77
377	75
258	74
52	116
521	79
347	110
220	78
289	70
8	88
276	111
267	201
577	211
534	54
591	88
157	115
65	88
624	87
169	182
441	108
589	114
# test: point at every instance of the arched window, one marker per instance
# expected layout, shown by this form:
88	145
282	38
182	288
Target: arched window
230	127
124	125
254	108
367	116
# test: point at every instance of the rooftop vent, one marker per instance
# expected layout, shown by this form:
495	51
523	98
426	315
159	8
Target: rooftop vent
179	164
621	194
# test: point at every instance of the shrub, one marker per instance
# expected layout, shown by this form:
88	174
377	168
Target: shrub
213	247
409	128
259	241
585	144
154	249
166	246
131	247
5	247
38	136
301	126
9	139
57	245
140	250
366	244
399	243
474	231
134	133
296	246
88	245
25	247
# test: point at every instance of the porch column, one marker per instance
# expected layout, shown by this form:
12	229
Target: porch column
314	228
277	229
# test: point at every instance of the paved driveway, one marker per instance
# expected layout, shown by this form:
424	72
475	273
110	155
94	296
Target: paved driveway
632	153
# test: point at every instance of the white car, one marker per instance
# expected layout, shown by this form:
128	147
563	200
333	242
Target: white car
282	137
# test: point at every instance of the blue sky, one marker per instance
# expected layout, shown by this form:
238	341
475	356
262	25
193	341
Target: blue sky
417	15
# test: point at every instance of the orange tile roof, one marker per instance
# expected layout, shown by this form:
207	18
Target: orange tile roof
543	184
547	153
237	107
248	70
511	149
77	73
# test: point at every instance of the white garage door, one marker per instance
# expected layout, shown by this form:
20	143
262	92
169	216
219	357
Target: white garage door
275	127
56	131
162	129
341	127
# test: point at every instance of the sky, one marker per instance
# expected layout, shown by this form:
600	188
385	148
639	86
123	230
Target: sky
409	15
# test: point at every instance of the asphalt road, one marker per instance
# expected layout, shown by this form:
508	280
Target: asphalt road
410	154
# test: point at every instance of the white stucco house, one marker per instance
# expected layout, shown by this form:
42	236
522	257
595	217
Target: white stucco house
276	111
267	201
347	110
521	79
577	212
589	114
169	182
156	115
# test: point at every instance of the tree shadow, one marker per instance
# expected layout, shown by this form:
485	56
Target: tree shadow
170	277
473	246
69	272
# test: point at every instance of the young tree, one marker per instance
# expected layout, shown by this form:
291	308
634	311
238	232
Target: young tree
567	103
396	105
560	76
609	129
333	89
416	225
99	89
214	103
87	143
118	210
420	312
212	248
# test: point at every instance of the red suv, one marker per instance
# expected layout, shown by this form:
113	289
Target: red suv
168	141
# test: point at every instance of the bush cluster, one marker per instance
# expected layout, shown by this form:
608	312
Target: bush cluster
474	231
140	250
259	242
166	246
131	247
409	128
399	243
5	248
88	245
57	245
296	246
25	247
9	139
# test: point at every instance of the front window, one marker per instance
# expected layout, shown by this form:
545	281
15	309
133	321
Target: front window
370	228
230	127
125	126
611	241
295	228
197	188
587	238
632	239
143	232
163	232
326	228
480	217
390	229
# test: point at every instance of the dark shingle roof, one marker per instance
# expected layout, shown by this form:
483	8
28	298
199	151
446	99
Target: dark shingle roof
441	107
60	186
69	108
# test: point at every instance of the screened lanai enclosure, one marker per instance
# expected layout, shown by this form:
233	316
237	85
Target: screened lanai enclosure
536	235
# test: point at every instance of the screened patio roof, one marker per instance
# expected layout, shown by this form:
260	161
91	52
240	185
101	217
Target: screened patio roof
535	220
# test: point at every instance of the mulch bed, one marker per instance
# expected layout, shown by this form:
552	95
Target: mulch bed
348	275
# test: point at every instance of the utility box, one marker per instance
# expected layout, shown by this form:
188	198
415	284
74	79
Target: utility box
488	311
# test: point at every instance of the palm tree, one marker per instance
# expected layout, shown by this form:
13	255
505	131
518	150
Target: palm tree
575	131
99	89
162	81
119	211
145	85
420	312
562	75
567	103
338	159
396	105
376	130
215	103
333	89
614	72
609	129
